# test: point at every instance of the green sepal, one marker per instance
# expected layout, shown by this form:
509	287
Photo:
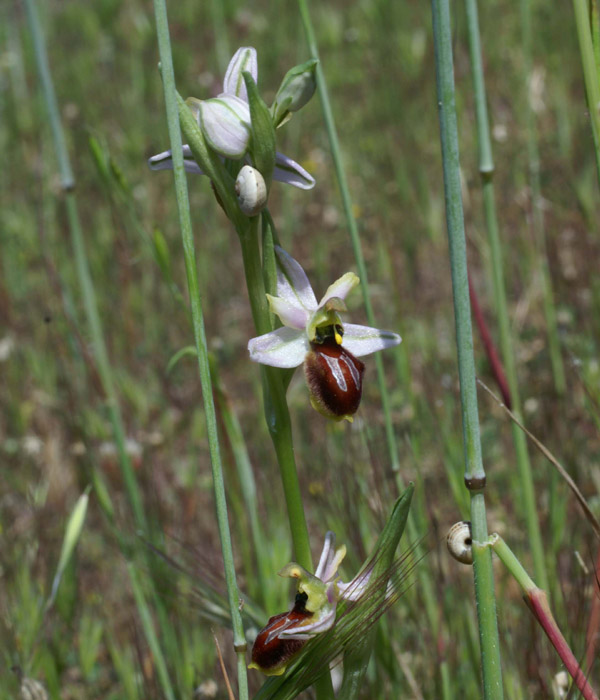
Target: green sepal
262	144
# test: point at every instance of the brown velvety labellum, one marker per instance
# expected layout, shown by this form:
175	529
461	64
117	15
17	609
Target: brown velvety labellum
334	378
273	655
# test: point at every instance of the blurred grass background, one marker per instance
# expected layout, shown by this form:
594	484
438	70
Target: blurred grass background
54	430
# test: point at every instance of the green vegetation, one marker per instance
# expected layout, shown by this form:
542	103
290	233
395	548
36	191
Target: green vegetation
112	580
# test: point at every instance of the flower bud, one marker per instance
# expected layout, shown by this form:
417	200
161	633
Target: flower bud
271	653
225	123
251	191
334	378
296	89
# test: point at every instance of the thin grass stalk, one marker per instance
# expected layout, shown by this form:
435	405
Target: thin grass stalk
148	626
164	45
425	583
539	232
474	472
86	284
276	409
537	601
486	170
583	17
243	464
352	227
91	310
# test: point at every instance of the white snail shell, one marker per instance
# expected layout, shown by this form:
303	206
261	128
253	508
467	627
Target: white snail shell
459	542
251	190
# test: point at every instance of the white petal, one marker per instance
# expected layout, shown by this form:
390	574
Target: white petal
225	122
341	288
291	315
164	161
288	171
285	347
311	629
328	546
292	282
362	340
244	59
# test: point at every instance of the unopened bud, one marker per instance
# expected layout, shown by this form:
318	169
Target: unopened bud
296	89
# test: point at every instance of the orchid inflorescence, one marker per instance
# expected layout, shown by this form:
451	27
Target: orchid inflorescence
313	334
231	138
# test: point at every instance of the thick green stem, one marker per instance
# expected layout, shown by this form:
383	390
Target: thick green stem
352	227
164	44
486	169
474	472
276	409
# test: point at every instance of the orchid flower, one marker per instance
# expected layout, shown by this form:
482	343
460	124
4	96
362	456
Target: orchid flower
313	612
314	335
225	123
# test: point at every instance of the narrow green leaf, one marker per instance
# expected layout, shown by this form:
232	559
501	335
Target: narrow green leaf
262	147
72	534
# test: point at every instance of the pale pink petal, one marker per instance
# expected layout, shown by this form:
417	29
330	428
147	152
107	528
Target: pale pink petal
292	282
340	288
291	315
288	171
244	59
285	347
326	554
225	123
362	340
309	630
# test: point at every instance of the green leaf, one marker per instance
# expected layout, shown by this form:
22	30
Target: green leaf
72	534
262	146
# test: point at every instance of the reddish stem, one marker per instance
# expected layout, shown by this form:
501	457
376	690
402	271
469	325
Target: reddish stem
538	604
490	348
591	635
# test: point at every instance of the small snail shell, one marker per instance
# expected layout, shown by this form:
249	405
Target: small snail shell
251	190
459	542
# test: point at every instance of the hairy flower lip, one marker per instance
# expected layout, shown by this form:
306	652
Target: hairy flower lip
313	612
231	139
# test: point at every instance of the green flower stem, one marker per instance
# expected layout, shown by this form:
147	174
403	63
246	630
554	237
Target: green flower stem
590	73
164	44
352	227
86	284
474	472
278	416
558	370
276	409
486	169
